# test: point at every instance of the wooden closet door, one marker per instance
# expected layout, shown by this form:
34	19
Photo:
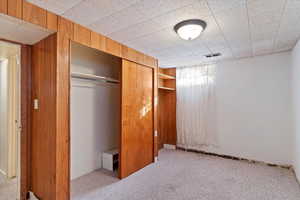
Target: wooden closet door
137	118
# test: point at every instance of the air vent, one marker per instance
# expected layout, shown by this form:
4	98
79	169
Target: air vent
213	55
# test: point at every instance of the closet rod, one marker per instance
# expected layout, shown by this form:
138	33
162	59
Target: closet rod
93	77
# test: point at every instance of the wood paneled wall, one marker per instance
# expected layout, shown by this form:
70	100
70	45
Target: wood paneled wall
63	117
155	111
51	72
44	134
167	111
25	120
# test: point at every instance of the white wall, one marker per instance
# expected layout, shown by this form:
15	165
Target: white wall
94	110
254	112
296	106
3	116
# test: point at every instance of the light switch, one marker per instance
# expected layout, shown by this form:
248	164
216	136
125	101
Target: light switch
35	104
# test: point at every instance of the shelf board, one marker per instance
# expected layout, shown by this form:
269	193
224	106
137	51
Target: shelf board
93	77
166	88
165	76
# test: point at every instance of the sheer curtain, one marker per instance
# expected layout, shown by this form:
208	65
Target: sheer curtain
196	106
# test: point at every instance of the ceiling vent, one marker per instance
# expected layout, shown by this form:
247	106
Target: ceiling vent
213	55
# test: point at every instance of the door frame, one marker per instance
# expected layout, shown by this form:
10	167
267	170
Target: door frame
25	116
25	91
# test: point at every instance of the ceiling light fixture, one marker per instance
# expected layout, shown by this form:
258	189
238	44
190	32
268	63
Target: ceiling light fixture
190	29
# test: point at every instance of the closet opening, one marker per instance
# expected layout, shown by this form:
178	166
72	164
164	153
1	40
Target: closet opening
95	105
10	120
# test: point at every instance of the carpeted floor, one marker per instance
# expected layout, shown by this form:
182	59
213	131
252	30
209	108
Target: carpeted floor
8	188
183	175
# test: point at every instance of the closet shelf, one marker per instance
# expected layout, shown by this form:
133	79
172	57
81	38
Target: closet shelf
165	76
166	88
93	77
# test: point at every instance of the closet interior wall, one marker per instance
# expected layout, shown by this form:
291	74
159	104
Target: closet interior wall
167	107
95	108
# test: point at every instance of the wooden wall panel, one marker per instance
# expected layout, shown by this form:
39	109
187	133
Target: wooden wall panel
155	110
52	21
15	8
132	55
113	47
3	6
43	140
82	35
97	42
150	61
63	118
25	120
65	27
34	14
137	118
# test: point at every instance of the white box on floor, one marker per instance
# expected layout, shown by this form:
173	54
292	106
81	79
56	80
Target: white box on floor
110	159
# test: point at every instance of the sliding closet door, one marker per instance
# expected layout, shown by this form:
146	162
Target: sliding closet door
137	118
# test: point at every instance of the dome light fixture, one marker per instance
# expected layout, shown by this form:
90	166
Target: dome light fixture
190	29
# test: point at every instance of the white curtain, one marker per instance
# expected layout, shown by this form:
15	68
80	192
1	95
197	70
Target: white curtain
196	106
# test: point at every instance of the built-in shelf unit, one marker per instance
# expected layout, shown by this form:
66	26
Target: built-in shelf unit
165	76
166	107
166	88
93	77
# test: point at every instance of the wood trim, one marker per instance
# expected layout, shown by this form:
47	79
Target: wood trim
3	6
15	8
113	47
65	27
25	120
82	35
34	14
52	21
155	109
63	155
10	41
98	41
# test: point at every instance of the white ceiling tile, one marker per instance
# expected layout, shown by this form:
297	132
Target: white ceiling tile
96	10
263	6
118	20
263	46
56	6
266	18
293	4
223	5
134	32
153	8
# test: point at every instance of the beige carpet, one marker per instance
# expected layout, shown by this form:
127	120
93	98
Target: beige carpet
190	176
8	188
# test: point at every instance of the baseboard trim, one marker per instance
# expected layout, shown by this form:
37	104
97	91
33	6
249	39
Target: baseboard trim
170	146
235	158
2	172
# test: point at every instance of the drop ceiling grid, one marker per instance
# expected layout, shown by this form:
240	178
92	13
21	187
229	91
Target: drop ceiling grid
236	28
